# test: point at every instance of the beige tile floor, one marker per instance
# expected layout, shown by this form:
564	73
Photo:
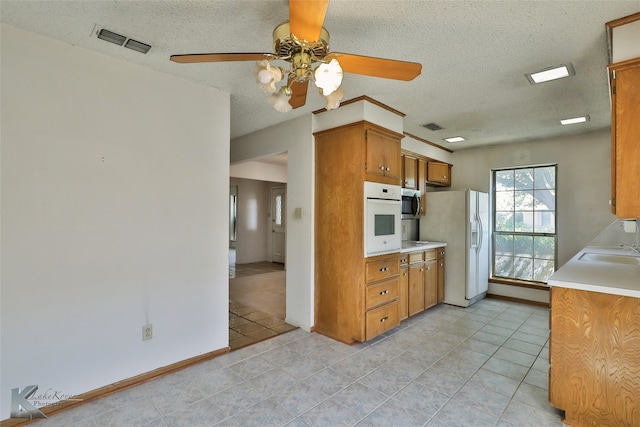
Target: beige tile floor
248	324
485	365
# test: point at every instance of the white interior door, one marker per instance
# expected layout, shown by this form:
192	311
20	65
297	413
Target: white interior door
278	224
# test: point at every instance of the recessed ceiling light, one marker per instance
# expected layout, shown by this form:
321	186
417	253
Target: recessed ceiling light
553	73
455	139
574	120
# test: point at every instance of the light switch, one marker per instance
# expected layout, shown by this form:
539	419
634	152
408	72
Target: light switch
297	213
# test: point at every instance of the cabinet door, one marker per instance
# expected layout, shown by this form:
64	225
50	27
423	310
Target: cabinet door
416	288
409	172
376	162
422	185
625	146
393	158
440	276
438	173
431	283
403	310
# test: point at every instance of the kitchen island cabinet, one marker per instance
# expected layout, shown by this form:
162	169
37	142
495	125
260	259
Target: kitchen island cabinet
594	358
594	350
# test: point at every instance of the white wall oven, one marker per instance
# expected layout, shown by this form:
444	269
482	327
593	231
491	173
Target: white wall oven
382	218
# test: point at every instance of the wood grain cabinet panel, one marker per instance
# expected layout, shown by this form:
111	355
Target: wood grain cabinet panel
625	137
344	279
438	173
403	294
416	288
409	172
441	276
595	358
382	293
430	283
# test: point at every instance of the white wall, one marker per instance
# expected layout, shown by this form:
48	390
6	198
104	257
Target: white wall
111	177
259	171
295	137
419	147
583	180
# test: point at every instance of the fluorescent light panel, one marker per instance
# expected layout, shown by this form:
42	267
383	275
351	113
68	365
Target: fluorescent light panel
574	120
549	74
455	139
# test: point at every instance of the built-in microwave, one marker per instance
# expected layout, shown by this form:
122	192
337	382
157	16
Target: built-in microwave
410	203
382	224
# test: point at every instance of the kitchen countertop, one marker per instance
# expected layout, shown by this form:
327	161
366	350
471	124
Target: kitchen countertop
601	269
420	245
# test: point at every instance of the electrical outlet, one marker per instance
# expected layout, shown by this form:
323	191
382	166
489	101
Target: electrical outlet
147	332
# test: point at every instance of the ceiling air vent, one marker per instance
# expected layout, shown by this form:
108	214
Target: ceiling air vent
121	40
432	126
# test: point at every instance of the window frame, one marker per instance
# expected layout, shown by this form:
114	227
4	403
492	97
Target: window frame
494	233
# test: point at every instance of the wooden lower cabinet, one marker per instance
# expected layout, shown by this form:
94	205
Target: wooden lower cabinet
594	358
381	319
416	287
441	268
403	305
430	283
421	281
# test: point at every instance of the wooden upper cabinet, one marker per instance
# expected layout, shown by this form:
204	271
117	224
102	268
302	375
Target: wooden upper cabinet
383	161
625	138
409	172
438	173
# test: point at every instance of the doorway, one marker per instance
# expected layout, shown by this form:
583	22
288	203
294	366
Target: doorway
278	224
257	254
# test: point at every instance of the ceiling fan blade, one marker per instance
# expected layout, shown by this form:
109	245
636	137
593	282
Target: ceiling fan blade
299	93
221	57
377	67
306	18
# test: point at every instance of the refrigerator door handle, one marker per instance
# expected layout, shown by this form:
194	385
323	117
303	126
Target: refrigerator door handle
480	232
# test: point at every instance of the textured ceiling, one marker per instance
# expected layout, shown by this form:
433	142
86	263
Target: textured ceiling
474	56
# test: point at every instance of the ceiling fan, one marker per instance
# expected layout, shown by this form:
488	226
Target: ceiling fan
303	41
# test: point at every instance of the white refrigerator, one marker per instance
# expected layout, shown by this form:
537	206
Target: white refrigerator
461	220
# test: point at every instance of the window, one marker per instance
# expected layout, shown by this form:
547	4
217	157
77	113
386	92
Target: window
278	213
524	223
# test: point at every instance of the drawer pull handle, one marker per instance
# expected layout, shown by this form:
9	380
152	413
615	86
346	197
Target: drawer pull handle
384	319
381	168
384	269
386	291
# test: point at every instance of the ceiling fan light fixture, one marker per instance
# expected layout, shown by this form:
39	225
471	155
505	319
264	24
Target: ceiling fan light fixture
334	98
280	101
328	77
267	76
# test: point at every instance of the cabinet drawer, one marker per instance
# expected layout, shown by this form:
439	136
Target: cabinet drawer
441	252
381	319
380	269
382	293
415	257
431	254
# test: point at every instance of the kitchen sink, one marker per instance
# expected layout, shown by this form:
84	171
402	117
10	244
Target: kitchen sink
616	259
